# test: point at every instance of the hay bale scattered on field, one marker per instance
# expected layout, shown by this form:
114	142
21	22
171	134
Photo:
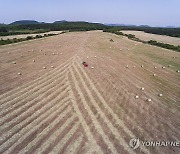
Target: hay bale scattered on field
95	56
44	67
53	53
87	57
92	67
52	66
154	74
134	66
142	88
160	95
163	67
136	97
142	66
178	71
174	57
127	66
19	73
149	100
33	60
155	67
14	62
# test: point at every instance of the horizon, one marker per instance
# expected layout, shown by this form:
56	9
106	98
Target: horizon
138	13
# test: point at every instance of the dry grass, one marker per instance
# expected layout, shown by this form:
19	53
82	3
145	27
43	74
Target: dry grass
77	109
160	38
25	35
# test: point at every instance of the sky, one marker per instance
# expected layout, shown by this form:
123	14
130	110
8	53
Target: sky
136	12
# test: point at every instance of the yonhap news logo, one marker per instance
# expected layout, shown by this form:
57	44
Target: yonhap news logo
136	143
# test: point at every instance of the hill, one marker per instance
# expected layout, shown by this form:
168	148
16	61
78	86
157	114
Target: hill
25	22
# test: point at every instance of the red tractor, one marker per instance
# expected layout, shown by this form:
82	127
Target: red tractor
85	64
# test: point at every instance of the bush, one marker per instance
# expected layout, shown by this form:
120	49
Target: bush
29	38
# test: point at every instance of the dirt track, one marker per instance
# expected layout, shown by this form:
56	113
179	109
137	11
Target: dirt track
69	108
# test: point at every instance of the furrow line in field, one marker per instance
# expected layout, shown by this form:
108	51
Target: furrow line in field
24	100
119	121
40	135
72	148
43	117
46	94
26	87
92	116
7	133
51	141
32	87
92	142
105	119
58	148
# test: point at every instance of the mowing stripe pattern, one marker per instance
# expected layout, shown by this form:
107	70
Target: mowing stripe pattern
61	112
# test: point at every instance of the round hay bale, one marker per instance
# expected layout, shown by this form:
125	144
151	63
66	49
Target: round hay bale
142	88
160	95
33	60
92	67
19	73
154	74
14	62
95	56
178	71
127	66
149	100
136	97
53	53
44	67
163	67
134	66
52	66
155	67
142	66
87	57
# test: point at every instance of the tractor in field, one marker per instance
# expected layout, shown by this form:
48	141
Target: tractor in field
85	64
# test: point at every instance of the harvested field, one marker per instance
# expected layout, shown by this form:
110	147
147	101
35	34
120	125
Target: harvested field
160	38
69	108
25	35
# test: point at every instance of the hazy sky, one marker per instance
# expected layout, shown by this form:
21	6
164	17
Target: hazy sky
139	12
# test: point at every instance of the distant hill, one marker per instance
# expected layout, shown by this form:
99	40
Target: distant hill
121	25
59	22
25	22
